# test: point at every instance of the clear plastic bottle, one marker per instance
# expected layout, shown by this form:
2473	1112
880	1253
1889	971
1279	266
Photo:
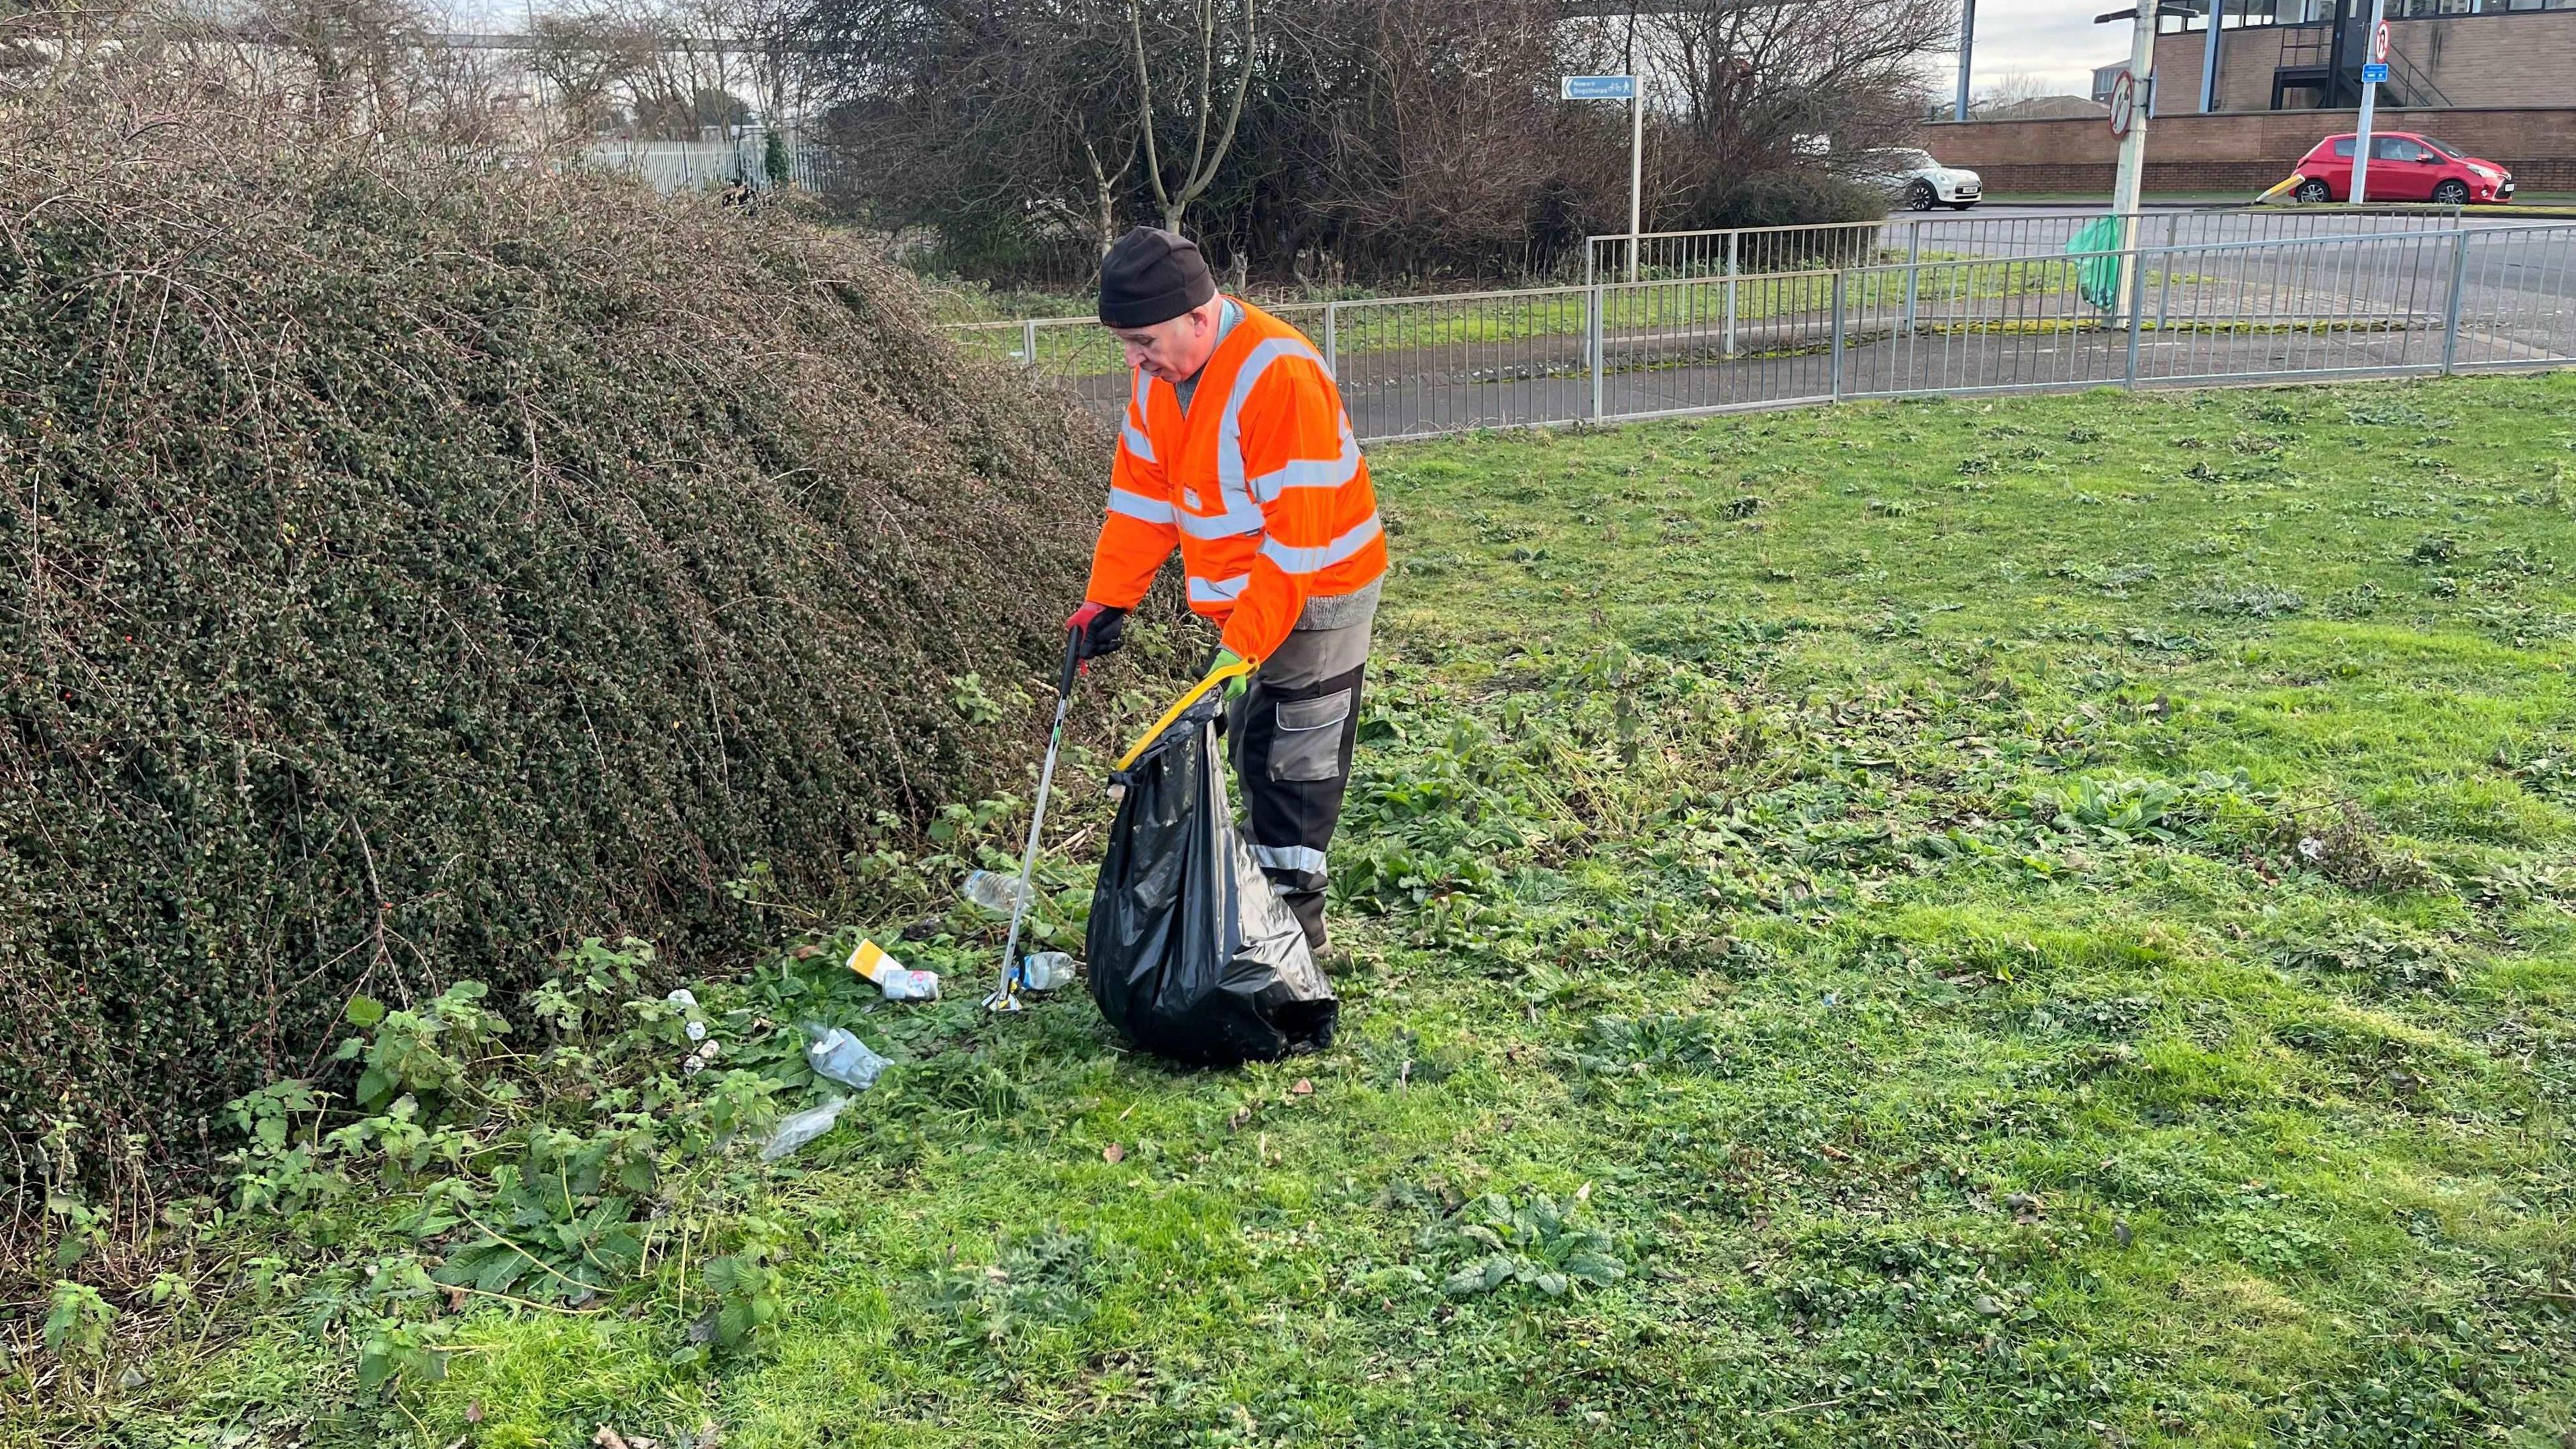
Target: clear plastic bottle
1045	971
837	1056
993	890
804	1127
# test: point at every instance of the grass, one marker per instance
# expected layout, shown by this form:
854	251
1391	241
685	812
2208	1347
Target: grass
2042	921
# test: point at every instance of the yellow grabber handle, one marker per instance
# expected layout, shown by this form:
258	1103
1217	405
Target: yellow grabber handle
1197	692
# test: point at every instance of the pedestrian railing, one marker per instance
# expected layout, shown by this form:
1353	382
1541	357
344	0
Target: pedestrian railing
2405	300
1678	255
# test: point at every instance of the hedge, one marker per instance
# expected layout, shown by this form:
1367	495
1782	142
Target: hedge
407	565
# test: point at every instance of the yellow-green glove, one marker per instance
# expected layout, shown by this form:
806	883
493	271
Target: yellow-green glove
1234	688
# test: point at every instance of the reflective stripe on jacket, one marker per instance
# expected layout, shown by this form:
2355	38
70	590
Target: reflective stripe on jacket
1260	485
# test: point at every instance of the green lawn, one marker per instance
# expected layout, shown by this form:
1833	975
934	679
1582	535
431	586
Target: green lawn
2043	921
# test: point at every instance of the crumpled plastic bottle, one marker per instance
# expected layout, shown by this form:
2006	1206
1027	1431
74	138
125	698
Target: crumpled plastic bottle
994	891
1045	971
802	1128
837	1056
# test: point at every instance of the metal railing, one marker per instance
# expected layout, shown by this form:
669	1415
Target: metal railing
2382	303
1678	255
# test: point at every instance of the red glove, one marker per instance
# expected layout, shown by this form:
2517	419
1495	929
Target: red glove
1097	629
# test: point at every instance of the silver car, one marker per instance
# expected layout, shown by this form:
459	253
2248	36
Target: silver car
1921	182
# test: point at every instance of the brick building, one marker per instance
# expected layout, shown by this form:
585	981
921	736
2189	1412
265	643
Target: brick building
2496	78
2277	55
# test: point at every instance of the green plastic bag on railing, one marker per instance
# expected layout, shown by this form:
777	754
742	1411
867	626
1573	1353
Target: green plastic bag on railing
2097	270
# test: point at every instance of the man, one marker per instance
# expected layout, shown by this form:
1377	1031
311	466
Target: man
1236	451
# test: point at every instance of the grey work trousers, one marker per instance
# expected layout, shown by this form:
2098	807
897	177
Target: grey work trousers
1293	732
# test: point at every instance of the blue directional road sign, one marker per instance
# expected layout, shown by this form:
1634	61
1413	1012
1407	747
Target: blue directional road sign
1599	88
2374	72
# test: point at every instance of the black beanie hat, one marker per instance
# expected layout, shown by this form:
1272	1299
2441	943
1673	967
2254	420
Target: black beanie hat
1151	276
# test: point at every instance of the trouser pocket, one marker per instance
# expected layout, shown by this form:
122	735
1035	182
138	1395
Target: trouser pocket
1293	757
1306	737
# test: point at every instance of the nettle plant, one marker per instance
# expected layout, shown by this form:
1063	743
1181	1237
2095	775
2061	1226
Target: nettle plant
1492	1242
462	1168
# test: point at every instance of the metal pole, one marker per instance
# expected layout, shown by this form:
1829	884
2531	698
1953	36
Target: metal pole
2133	146
2369	103
2164	292
1732	238
2209	59
1967	40
2451	309
1332	341
1596	328
1636	165
1837	369
2137	306
1913	269
1029	342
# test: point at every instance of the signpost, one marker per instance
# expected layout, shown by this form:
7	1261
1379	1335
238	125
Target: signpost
2372	73
1620	88
2129	115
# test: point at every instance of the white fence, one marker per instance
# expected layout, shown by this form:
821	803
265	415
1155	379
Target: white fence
696	165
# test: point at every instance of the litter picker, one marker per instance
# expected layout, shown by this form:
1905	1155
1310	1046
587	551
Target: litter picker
1006	995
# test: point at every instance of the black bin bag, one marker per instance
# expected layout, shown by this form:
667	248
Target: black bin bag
1191	955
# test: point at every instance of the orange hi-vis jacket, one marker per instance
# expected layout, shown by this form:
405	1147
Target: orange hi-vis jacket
1259	483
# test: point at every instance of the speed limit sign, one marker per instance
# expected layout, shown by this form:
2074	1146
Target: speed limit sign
2124	102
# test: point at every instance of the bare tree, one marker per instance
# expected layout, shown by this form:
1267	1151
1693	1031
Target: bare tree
1205	25
2011	89
590	57
1313	137
1422	137
1757	79
770	37
1009	128
1098	221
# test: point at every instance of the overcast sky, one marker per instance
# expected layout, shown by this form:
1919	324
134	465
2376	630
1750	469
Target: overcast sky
2055	41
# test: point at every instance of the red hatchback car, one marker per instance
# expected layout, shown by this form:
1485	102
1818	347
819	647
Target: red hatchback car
2404	166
